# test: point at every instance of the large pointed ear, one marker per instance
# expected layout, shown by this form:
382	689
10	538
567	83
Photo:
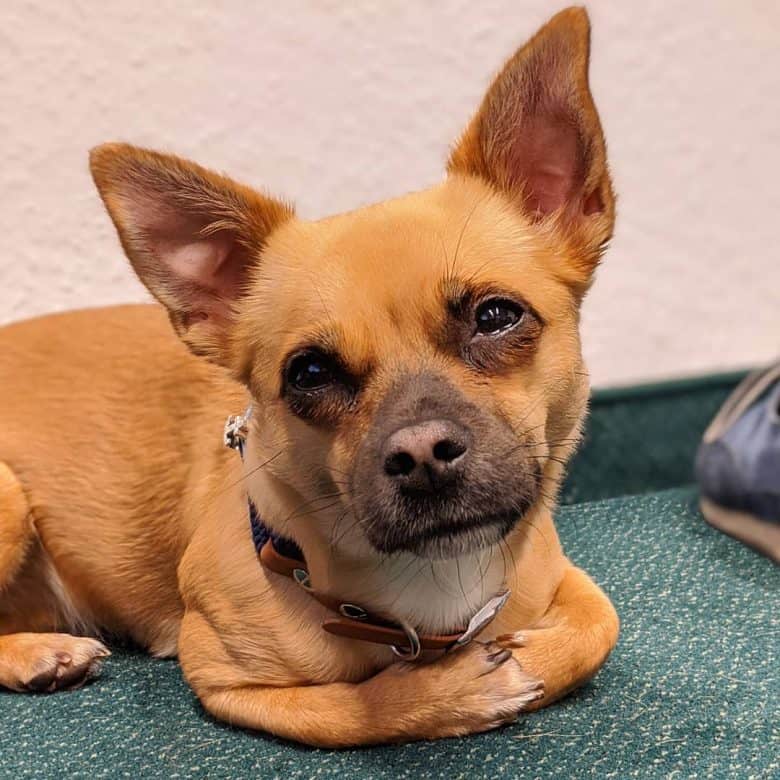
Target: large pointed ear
191	235
538	138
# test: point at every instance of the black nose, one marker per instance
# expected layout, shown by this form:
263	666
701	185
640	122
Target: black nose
426	456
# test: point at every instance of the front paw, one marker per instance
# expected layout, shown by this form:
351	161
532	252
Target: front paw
43	663
474	689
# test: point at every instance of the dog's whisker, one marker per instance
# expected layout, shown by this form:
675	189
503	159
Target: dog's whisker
338	471
248	474
460	583
463	231
296	512
411	579
511	553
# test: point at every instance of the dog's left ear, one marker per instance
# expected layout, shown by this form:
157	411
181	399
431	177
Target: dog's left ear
194	237
537	137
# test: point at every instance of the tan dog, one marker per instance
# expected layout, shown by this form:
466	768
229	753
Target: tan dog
417	387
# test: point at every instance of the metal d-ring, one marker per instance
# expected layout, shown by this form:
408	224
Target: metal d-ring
301	576
353	611
411	653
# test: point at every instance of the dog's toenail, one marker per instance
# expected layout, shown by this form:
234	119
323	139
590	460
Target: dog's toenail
500	656
63	657
93	671
42	682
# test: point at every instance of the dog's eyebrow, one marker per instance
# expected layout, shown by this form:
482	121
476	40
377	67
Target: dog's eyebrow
457	295
331	339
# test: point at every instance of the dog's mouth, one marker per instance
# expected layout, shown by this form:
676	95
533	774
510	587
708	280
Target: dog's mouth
444	527
448	539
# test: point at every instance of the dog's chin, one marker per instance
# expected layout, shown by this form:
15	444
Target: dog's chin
449	540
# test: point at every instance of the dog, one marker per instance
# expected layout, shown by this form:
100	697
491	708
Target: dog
374	558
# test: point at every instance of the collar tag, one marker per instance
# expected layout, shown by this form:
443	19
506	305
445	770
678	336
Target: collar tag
482	618
236	430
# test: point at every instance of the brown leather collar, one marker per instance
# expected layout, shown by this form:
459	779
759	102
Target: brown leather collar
352	620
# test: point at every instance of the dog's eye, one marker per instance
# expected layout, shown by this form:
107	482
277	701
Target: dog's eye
497	315
311	371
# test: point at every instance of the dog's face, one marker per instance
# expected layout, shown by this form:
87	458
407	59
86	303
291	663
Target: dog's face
421	354
415	363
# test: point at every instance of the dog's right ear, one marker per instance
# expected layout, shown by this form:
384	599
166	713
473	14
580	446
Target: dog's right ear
191	235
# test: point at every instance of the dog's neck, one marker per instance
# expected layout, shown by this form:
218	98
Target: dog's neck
434	596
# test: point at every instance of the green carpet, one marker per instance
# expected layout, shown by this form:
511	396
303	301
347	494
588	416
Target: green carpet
690	691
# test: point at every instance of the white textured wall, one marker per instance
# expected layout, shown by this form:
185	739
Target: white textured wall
335	104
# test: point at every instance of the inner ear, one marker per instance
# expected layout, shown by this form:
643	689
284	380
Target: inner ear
193	236
546	163
214	269
212	260
198	262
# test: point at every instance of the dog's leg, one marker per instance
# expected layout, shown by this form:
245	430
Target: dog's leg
474	689
28	661
16	528
571	641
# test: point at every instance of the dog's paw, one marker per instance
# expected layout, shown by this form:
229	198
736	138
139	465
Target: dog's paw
499	677
477	688
44	663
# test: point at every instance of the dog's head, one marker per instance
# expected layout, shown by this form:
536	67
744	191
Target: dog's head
416	362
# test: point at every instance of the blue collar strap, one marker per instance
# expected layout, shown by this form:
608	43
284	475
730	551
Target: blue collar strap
262	535
236	429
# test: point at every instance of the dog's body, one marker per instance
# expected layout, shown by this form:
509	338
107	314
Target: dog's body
411	454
